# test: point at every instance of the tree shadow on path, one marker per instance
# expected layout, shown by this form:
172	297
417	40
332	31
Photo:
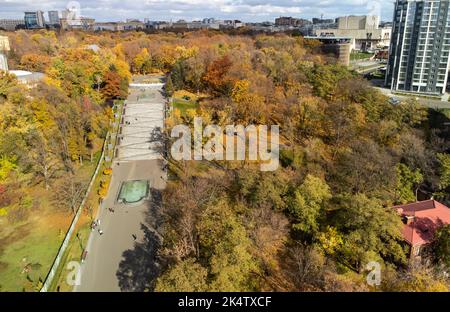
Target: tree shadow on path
139	267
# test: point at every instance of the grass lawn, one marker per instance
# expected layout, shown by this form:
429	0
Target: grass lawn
73	253
355	56
183	106
27	250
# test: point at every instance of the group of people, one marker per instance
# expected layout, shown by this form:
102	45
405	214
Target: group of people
96	224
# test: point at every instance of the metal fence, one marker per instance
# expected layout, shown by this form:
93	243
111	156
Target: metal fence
62	249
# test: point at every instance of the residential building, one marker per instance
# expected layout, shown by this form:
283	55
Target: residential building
11	24
110	26
53	17
181	24
421	220
4	48
419	53
209	20
317	21
79	23
34	20
133	25
232	24
364	29
291	21
27	78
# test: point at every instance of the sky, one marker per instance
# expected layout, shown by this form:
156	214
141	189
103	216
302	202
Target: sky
245	10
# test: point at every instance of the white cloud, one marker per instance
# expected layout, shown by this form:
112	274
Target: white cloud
247	10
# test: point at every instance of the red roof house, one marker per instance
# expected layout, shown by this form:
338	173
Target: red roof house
421	220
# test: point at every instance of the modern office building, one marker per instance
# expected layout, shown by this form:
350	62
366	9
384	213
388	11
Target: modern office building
420	46
34	19
53	17
364	30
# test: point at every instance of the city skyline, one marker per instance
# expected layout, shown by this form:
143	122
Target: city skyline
245	10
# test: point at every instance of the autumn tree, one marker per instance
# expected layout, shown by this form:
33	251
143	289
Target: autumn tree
70	192
215	76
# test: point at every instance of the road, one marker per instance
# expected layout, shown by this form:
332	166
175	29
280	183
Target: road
428	102
123	258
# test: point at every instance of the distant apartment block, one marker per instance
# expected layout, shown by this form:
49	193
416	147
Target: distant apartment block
53	17
317	21
232	24
364	30
291	21
34	20
4	48
419	54
11	24
79	23
133	25
109	26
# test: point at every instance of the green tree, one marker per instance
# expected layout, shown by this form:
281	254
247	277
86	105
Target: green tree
370	231
444	159
186	276
224	243
169	86
408	182
410	113
441	245
307	204
325	78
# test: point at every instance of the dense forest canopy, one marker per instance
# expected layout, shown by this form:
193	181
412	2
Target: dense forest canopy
347	156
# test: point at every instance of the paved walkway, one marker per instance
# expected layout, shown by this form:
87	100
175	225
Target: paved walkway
124	257
140	138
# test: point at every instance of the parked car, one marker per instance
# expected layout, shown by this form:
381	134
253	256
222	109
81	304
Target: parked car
394	101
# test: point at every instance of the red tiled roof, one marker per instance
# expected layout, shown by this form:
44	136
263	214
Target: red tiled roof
428	216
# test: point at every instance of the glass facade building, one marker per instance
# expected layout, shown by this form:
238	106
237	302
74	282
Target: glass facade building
419	52
34	20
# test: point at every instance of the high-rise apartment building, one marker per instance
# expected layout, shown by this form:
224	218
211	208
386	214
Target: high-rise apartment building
419	53
34	19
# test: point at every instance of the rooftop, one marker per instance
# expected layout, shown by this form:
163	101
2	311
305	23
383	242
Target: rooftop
425	218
